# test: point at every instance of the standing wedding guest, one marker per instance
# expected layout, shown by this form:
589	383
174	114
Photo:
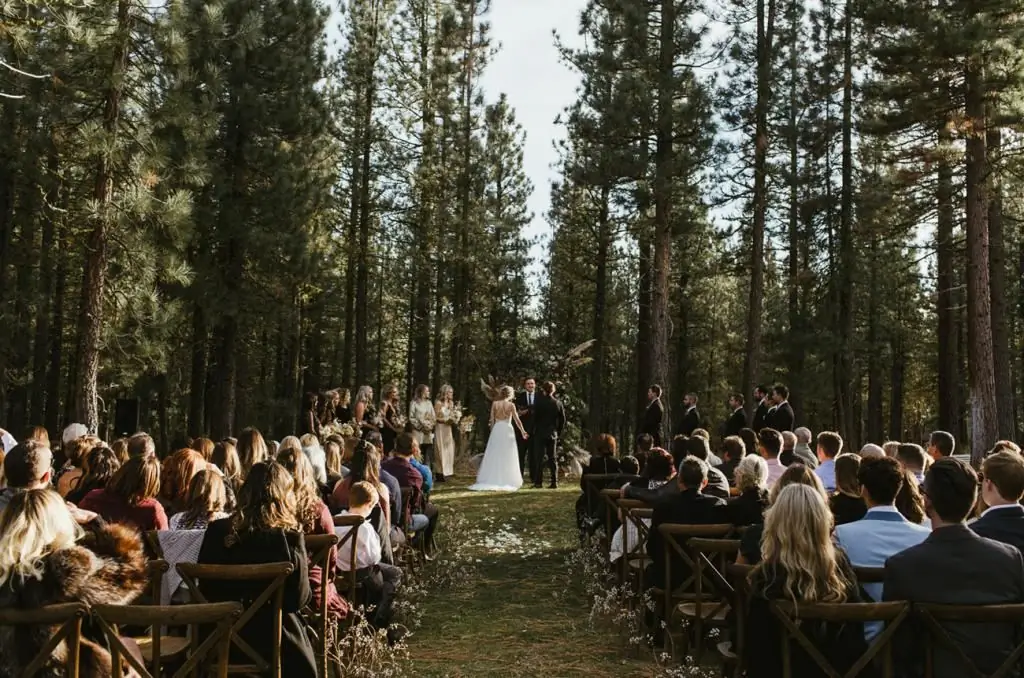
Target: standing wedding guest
760	419
333	466
752	482
525	402
770	446
830	445
800	564
252	449
444	440
342	405
203	446
986	572
328	408
781	417
846	503
265	529
654	415
176	475
691	416
205	502
225	457
737	420
100	466
1002	488
389	413
45	559
131	496
423	421
362	409
310	423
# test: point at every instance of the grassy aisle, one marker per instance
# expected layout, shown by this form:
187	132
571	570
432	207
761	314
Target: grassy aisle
517	615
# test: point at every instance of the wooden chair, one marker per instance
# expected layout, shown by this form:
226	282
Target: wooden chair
892	614
415	551
346	581
222	615
67	617
319	548
714	595
274	573
932	618
634	513
592	484
155	648
610	500
731	651
870	575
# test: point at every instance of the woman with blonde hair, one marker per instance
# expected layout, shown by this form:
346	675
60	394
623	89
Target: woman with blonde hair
446	416
797	474
800	564
846	503
225	457
252	449
362	409
203	446
45	559
751	476
317	457
205	502
499	471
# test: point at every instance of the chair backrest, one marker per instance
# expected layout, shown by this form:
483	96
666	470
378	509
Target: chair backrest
156	569
870	575
275	574
676	536
593	483
320	548
407	493
739	578
348	544
221	615
933	617
67	617
790	616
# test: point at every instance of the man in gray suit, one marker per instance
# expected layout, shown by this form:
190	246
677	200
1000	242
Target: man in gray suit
954	566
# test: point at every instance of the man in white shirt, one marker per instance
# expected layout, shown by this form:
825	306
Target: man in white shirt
379	580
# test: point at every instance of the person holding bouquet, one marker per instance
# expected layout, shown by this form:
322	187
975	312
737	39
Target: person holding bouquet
422	420
391	420
447	414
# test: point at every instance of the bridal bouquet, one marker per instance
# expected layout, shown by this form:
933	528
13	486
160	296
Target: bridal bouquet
400	421
451	415
466	424
374	416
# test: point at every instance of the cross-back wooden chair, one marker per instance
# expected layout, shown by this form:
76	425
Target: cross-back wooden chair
714	596
220	615
593	483
892	614
276	574
155	647
415	549
731	651
609	498
346	581
634	513
675	537
932	618
319	547
870	575
67	617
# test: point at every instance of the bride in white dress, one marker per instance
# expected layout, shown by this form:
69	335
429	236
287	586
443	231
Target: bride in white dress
499	470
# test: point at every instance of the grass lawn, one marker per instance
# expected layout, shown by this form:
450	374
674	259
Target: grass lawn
520	613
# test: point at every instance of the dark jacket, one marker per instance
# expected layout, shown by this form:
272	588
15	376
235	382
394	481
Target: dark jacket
523	406
985	572
760	419
549	418
728	469
748	508
690	423
106	567
736	422
1005	524
652	422
686	507
273	546
782	418
847	509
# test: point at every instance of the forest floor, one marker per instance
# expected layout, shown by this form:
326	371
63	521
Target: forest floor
512	607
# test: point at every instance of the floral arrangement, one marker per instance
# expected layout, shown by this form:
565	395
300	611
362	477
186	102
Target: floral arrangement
571	459
466	424
451	414
400	421
423	424
337	428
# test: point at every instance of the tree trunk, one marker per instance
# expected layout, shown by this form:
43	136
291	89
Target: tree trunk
362	299
847	264
948	339
899	366
197	380
424	242
875	378
41	346
56	334
351	265
598	325
795	342
1002	362
643	325
980	365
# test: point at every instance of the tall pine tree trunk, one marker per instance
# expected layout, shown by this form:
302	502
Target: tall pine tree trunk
362	296
598	329
41	346
875	373
948	339
351	265
643	325
1002	362
424	272
899	367
795	342
847	264
197	380
980	364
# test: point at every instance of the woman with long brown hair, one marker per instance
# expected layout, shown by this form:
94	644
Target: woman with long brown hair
265	529
225	457
846	503
203	446
100	466
131	496
175	476
252	449
389	414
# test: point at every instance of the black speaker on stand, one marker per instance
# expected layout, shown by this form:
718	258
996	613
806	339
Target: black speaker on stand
126	417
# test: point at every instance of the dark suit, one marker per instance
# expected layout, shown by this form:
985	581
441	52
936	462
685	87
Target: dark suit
549	423
652	422
1005	524
955	566
760	418
691	422
736	422
782	418
523	405
687	507
748	508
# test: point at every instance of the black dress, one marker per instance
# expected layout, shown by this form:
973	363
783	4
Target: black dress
343	414
387	434
847	509
590	507
297	659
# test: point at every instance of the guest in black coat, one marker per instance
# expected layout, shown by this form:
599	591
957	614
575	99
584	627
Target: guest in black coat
846	503
752	483
797	531
733	451
760	418
265	529
781	417
985	572
1001	490
691	416
654	416
590	506
737	421
718	485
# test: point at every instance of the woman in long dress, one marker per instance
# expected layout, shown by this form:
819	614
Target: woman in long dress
444	441
389	427
499	471
361	413
421	420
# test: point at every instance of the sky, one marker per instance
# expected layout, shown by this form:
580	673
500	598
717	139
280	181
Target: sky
528	70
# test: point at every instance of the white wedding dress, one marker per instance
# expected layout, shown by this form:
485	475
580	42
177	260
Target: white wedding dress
499	470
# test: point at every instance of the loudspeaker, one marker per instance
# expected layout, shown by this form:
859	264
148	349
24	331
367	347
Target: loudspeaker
126	417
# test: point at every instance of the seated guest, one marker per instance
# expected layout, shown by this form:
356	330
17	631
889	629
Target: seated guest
45	559
400	466
176	476
802	452
1004	446
658	474
678	448
871	450
380	581
644	445
941	444
751	444
769	447
75	444
955	566
733	451
1002	489
787	457
389	481
629	466
366	468
602	456
424	469
717	485
846	502
750	542
27	466
882	532
713	459
205	502
203	446
225	457
830	445
252	449
752	483
100	466
912	458
800	564
649	488
890	447
317	457
131	496
314	518
909	501
265	529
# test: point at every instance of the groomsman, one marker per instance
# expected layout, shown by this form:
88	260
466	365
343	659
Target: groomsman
761	413
653	415
691	418
525	401
737	421
781	417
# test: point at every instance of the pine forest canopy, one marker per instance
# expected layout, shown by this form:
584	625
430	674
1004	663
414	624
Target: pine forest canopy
207	206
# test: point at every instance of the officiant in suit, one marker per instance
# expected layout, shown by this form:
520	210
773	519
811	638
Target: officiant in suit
525	402
548	427
653	415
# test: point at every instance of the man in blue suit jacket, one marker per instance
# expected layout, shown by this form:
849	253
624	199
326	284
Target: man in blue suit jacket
1002	489
882	532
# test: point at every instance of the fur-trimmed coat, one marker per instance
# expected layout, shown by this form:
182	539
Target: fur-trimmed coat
106	567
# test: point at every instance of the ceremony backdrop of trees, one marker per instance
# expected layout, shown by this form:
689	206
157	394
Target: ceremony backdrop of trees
215	206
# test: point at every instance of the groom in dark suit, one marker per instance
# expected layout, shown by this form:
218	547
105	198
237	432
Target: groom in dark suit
548	426
525	402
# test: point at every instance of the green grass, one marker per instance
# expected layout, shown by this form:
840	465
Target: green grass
518	615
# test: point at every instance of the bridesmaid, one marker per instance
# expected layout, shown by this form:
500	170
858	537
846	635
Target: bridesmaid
444	441
422	410
389	428
342	405
361	413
